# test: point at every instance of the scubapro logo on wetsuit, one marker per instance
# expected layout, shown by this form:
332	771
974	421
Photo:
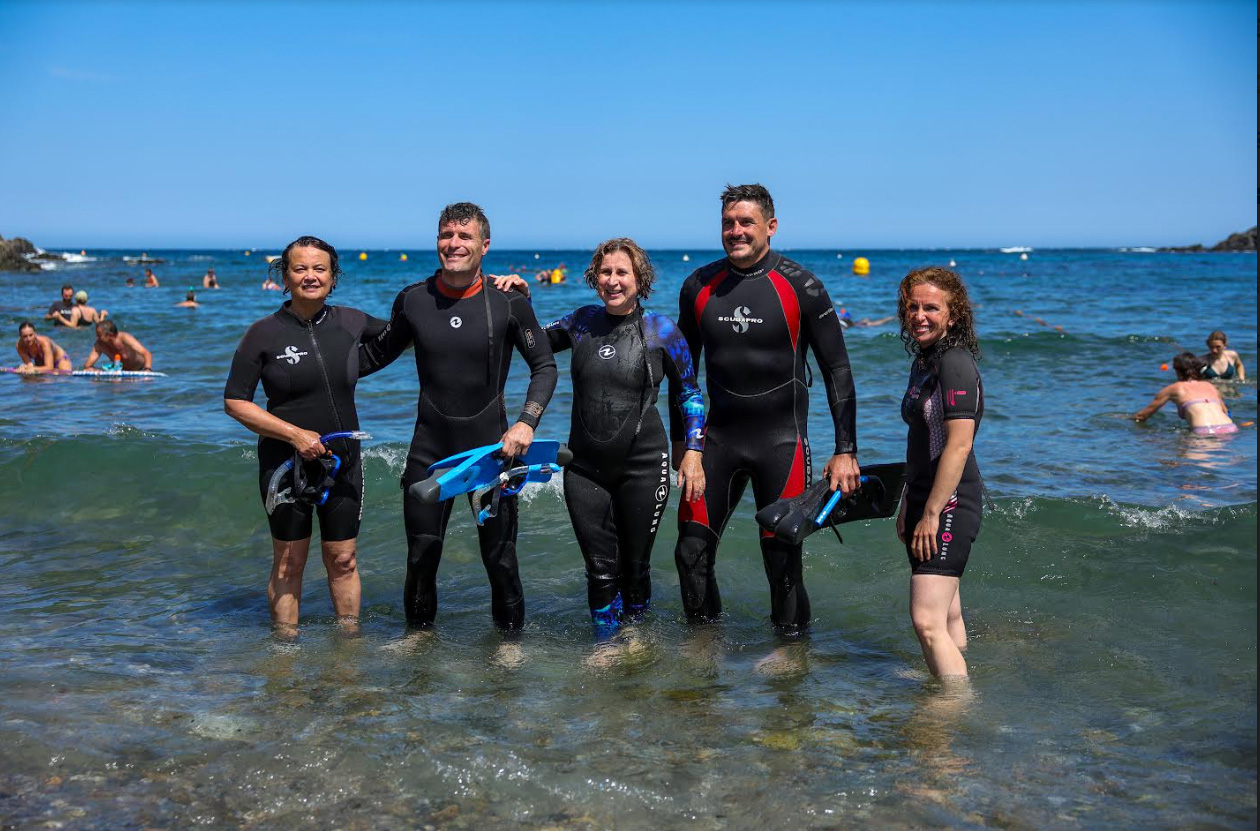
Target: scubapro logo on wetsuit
456	322
291	354
607	351
741	319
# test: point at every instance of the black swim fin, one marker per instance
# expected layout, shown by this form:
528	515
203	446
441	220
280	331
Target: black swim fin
792	520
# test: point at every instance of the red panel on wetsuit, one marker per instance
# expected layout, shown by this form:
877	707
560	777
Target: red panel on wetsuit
458	294
702	298
696	511
791	307
795	484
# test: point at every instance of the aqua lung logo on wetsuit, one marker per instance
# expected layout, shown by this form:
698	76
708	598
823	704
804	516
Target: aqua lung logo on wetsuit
607	351
741	319
457	322
947	527
291	354
662	491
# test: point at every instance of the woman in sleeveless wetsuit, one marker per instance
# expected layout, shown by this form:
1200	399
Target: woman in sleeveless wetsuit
307	356
1198	401
618	483
943	405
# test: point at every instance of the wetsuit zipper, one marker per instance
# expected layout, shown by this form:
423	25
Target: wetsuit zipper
319	359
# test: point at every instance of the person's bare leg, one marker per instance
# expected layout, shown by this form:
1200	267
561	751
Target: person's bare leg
930	599
284	587
343	578
957	627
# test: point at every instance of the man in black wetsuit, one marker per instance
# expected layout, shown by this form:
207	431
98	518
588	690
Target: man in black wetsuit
752	314
463	336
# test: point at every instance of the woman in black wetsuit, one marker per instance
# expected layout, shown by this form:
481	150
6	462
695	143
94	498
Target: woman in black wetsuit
618	483
940	514
307	356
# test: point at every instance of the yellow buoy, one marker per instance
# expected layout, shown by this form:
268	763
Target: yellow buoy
402	257
362	255
861	266
246	253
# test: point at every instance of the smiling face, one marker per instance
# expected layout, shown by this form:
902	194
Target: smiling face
616	284
67	294
309	276
927	316
746	233
28	339
460	248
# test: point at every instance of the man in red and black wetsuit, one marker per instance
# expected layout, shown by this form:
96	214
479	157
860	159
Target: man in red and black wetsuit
752	315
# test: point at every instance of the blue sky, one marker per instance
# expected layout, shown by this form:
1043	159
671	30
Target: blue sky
895	124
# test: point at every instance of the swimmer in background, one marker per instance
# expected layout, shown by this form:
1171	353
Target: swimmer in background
111	342
150	279
61	311
1197	400
130	283
39	353
847	321
210	281
85	315
270	285
1221	362
190	301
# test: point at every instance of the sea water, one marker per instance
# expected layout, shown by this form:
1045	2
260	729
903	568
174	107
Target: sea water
1110	598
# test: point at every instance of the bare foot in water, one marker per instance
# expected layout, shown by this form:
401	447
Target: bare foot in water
509	655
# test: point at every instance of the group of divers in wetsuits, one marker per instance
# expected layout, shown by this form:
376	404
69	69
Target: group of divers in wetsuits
751	315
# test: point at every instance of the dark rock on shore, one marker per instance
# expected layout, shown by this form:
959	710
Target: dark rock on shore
13	255
1242	241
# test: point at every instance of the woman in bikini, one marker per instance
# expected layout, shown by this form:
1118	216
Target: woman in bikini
1197	400
1222	362
38	352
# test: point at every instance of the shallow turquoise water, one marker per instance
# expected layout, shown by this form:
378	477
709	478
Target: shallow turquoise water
1111	598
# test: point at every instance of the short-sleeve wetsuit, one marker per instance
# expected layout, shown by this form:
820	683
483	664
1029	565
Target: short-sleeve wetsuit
753	327
308	371
944	384
463	347
617	485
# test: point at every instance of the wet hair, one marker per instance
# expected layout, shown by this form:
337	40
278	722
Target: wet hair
962	329
749	193
108	326
1189	367
192	295
25	324
1218	335
280	265
640	263
461	212
67	286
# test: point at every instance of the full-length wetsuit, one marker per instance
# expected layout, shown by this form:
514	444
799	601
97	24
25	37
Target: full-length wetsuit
944	384
617	485
463	339
753	327
308	370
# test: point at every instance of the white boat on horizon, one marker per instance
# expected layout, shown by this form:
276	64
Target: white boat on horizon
1016	249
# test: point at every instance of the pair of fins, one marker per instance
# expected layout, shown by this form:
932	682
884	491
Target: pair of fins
877	497
486	471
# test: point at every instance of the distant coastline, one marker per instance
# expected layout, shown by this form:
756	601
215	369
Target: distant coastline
1242	241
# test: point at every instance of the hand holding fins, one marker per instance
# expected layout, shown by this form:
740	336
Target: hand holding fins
793	519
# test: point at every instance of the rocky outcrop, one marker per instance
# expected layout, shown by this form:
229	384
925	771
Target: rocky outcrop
13	255
1242	241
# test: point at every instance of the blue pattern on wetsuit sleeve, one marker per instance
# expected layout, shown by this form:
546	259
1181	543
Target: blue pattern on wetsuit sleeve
664	335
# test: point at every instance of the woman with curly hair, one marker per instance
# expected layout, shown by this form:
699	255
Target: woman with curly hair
940	514
618	483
